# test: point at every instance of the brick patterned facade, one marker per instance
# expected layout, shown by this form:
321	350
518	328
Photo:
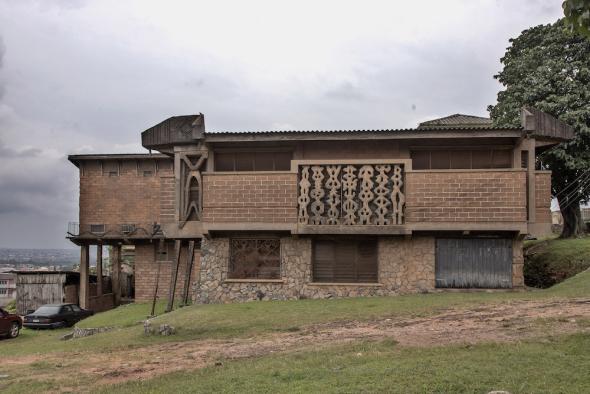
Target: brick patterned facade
543	197
146	270
268	198
128	197
184	191
466	196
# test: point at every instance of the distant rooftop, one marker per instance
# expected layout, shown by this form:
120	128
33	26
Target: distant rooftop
456	121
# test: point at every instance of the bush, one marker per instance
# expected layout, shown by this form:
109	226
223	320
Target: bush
11	307
550	262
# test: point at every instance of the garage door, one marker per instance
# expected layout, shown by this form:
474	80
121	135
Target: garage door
473	263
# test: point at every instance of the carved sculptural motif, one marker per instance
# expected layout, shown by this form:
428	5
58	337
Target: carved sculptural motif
377	200
349	184
397	197
303	199
333	186
317	193
366	194
382	201
192	182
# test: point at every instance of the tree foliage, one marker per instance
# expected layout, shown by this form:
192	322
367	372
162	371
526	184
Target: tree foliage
548	67
577	15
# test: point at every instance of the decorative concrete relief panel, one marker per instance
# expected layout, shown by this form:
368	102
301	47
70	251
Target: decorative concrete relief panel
359	194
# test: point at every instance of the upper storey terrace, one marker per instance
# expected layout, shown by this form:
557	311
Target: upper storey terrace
458	173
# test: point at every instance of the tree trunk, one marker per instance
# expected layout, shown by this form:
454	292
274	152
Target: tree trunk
572	219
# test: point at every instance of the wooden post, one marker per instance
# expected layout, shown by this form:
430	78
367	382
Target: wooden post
99	269
159	250
189	270
84	292
116	273
174	275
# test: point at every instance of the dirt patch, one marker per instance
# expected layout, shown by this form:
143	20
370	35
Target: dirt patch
498	323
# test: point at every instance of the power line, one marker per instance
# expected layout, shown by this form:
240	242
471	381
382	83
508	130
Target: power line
580	190
573	183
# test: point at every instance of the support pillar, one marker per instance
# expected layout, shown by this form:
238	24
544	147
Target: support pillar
84	291
189	269
99	270
116	273
174	275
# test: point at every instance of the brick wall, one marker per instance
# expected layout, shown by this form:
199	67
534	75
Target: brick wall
543	197
250	198
129	197
146	272
466	196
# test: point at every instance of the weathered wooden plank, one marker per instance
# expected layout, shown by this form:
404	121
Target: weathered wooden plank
174	275
473	263
190	258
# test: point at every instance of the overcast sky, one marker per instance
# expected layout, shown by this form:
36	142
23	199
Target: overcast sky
88	76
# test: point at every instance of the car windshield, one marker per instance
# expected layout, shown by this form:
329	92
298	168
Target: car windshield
47	310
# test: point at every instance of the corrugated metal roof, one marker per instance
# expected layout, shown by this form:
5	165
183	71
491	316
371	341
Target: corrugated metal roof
457	120
430	128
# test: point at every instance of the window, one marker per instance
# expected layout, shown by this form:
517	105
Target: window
97	228
66	309
3	282
345	261
252	161
146	167
75	308
3	291
255	259
461	159
110	168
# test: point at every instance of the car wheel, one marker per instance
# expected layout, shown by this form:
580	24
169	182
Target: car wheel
14	330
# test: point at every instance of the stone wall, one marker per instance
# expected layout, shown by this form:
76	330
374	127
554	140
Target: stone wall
405	266
517	264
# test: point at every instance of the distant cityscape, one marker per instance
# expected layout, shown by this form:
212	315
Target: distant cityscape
38	259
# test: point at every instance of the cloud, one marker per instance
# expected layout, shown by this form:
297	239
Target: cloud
88	77
10	152
345	91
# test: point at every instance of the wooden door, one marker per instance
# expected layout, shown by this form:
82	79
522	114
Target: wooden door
474	263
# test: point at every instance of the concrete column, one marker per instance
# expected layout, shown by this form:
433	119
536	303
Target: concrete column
99	270
531	180
116	273
84	292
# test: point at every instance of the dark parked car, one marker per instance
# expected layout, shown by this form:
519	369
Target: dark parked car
10	324
56	316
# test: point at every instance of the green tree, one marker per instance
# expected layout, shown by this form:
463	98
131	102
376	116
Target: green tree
577	15
548	67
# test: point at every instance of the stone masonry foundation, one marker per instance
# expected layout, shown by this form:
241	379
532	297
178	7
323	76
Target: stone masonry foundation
405	266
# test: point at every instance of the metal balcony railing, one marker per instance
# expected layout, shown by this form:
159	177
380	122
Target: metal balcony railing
114	230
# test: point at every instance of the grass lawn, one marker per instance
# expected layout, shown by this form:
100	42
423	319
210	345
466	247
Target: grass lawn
553	260
257	318
554	365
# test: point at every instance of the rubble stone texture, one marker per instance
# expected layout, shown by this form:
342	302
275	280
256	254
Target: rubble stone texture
405	266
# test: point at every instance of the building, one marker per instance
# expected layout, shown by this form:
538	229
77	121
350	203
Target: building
7	288
237	216
36	288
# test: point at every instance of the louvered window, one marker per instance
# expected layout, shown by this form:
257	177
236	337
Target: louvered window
345	261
